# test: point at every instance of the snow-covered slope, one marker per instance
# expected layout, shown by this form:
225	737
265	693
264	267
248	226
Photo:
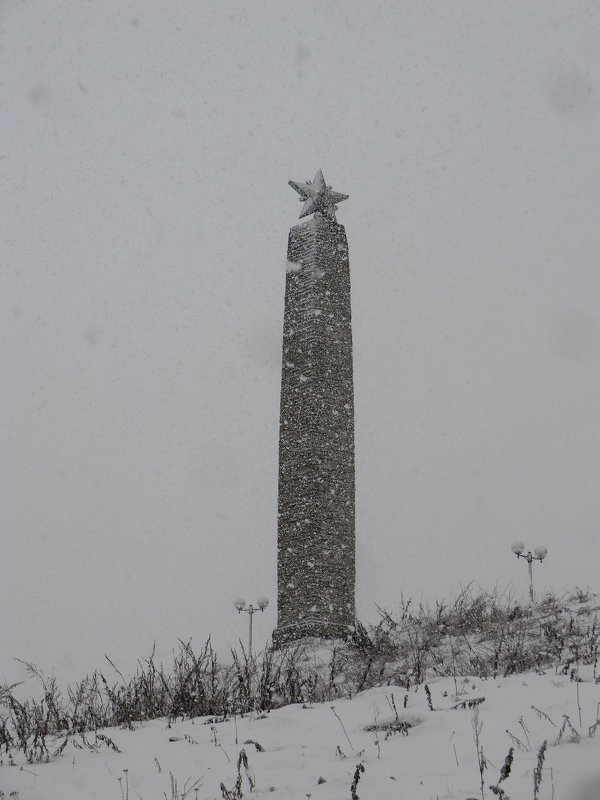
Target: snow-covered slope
312	751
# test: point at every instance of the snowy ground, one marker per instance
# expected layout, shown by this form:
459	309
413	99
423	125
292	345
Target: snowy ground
313	751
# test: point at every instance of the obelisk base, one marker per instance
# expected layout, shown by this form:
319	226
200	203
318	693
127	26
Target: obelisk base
311	628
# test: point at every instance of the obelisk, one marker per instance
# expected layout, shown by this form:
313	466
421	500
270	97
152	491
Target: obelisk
315	532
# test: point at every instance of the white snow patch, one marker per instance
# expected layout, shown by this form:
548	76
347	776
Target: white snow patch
300	743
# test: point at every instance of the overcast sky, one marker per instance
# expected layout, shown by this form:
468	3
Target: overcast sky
145	151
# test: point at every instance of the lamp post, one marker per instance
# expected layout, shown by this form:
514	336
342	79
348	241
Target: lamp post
539	554
240	605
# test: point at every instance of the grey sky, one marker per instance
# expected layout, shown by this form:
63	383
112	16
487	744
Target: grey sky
146	149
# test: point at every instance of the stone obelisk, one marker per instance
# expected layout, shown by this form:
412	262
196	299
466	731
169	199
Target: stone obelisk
315	533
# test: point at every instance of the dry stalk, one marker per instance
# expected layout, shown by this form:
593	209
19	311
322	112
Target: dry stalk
477	726
537	772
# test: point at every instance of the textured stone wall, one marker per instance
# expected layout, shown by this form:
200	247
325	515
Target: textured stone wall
316	550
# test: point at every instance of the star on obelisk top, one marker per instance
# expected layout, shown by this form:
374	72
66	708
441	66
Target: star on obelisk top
318	197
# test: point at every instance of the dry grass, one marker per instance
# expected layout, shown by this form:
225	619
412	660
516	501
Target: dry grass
477	633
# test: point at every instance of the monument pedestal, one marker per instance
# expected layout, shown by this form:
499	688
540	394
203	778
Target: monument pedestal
316	629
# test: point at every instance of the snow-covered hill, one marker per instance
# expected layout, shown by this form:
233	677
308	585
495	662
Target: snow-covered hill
313	750
476	699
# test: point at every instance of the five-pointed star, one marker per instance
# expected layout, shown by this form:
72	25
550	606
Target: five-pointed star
317	196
